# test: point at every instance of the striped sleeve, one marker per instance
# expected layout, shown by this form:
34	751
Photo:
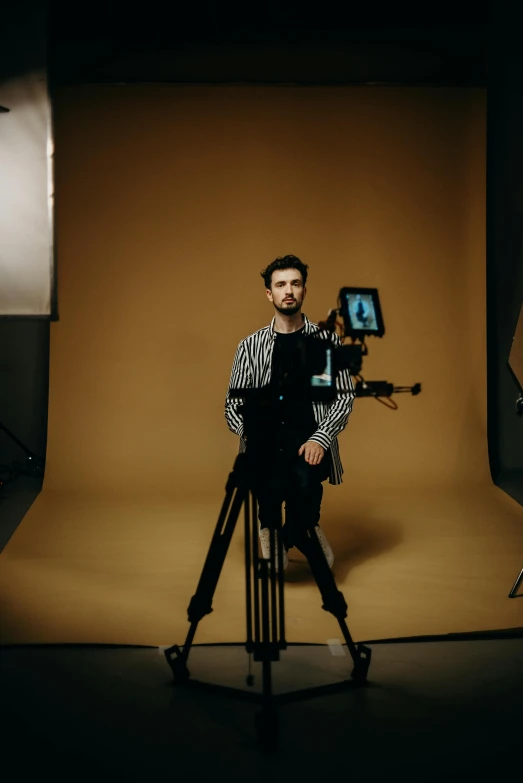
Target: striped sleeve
240	379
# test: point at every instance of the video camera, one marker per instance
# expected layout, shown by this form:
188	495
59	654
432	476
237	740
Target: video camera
357	316
325	360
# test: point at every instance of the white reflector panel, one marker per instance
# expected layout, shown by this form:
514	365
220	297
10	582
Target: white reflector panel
26	197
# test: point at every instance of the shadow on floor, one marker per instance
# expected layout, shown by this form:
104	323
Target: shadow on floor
353	543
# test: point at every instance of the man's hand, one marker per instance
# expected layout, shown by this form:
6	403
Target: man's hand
313	452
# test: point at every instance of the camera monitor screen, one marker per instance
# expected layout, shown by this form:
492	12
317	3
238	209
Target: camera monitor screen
361	312
325	378
321	369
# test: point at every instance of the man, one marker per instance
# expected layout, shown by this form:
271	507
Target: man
294	438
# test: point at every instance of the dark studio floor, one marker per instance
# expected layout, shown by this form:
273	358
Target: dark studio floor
430	711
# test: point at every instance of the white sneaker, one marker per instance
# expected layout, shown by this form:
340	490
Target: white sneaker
265	541
322	538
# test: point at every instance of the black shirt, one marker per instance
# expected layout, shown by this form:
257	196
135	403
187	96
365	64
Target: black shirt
293	412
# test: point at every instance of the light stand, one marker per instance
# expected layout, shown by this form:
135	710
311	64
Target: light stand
35	464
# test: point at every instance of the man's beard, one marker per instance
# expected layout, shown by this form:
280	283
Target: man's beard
290	309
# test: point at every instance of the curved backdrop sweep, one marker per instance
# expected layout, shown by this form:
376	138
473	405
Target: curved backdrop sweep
170	200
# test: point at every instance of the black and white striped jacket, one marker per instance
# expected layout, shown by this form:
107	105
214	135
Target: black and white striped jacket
252	369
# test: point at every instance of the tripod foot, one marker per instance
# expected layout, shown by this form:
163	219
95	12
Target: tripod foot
266	725
361	663
177	663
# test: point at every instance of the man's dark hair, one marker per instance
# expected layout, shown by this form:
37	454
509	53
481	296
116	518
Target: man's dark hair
284	262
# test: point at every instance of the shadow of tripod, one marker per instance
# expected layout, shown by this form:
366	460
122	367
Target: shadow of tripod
265	606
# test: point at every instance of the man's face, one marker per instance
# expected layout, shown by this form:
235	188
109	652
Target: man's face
287	291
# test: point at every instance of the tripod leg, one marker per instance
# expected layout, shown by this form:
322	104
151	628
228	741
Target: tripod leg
514	591
201	602
249	508
333	599
268	605
266	721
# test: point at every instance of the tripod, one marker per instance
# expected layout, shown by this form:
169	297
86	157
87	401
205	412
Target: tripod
265	610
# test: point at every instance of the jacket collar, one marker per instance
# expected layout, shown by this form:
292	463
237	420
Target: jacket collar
307	328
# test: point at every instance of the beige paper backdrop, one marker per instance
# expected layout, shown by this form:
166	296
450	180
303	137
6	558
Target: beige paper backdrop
170	199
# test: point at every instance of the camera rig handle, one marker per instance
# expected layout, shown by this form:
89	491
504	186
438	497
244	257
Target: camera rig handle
383	389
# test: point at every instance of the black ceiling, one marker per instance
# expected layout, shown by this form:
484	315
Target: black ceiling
212	19
274	40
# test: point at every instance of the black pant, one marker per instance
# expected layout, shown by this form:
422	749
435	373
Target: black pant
292	481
